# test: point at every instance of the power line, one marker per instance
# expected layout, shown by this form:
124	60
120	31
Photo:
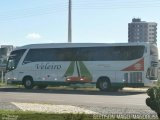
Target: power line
31	12
77	5
118	4
114	1
113	7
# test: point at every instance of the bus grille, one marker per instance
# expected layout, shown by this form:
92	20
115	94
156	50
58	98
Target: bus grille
136	77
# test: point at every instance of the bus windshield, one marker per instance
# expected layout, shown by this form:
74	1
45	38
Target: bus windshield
13	59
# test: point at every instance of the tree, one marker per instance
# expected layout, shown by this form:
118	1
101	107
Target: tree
153	101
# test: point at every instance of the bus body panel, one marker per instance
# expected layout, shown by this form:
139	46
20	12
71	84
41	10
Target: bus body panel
67	72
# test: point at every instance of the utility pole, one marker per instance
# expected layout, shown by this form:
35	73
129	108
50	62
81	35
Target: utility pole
69	22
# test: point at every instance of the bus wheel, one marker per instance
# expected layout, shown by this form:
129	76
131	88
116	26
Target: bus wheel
28	83
104	84
41	86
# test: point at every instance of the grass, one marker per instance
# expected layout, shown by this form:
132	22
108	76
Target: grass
21	115
158	83
71	87
86	87
2	84
29	115
5	85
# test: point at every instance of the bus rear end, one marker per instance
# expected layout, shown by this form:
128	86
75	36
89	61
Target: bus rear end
152	70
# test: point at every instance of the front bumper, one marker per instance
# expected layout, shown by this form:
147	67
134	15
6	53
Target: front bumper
13	81
9	81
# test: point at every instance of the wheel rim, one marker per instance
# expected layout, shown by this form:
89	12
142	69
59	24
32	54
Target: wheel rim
104	85
28	83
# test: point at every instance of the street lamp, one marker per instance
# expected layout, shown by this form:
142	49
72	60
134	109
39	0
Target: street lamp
69	22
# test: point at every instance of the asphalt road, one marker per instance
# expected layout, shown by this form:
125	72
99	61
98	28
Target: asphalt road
73	97
123	102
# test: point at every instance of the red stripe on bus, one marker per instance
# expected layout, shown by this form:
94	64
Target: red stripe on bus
138	66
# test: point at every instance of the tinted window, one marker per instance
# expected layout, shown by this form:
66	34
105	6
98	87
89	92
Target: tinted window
113	53
50	54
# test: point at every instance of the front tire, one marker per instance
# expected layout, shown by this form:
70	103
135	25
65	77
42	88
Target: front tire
104	84
28	83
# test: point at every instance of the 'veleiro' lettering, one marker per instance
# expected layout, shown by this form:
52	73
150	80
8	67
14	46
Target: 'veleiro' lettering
48	66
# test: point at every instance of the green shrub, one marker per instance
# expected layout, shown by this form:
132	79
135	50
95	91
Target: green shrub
154	99
158	83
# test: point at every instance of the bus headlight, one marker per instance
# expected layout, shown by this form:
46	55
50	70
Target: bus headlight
12	78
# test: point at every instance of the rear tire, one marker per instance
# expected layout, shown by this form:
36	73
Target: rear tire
28	83
104	84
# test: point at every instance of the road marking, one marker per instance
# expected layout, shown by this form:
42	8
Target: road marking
50	108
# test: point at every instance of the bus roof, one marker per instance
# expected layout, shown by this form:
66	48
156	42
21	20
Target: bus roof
66	45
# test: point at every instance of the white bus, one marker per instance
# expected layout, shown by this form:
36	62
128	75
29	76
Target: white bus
105	65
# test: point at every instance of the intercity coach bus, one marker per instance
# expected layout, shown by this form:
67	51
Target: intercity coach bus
107	66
